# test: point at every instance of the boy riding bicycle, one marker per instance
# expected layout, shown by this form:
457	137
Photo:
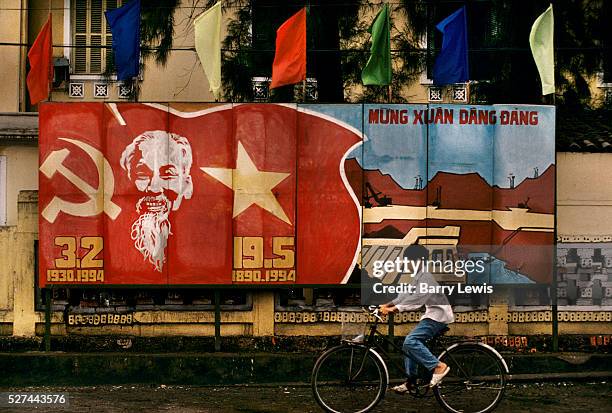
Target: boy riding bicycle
438	314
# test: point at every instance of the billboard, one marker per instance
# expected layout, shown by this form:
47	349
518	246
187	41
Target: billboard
271	194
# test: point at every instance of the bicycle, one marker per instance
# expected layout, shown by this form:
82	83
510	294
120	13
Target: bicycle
353	376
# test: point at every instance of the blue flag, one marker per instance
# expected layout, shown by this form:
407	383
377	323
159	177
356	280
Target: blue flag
452	63
124	23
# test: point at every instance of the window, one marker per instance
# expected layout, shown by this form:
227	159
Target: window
3	194
91	35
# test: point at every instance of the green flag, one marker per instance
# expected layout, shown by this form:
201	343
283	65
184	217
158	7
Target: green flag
378	68
541	42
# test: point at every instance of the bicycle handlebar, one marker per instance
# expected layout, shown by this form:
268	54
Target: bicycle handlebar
375	311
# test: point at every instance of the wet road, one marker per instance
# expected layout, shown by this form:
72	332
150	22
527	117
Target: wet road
533	397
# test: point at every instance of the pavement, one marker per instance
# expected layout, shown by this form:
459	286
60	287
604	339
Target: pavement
542	397
75	369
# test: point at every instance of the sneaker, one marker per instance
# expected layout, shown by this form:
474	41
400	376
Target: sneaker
437	377
402	388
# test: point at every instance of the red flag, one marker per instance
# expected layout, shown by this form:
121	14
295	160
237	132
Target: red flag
290	58
41	69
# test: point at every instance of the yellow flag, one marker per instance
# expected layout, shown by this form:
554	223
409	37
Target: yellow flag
208	45
541	42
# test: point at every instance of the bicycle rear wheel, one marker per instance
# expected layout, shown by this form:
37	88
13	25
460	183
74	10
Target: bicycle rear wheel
476	381
348	378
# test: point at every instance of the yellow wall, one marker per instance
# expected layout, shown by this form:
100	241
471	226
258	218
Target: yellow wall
21	174
182	78
7	236
17	267
584	194
11	57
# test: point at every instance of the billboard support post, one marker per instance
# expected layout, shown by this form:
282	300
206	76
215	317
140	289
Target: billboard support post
217	320
553	293
48	306
555	312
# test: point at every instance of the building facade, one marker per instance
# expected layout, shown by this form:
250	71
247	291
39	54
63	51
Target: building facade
81	59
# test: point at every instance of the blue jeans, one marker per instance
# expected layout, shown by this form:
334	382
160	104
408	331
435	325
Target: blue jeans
414	346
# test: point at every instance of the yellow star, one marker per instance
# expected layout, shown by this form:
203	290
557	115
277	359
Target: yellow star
250	185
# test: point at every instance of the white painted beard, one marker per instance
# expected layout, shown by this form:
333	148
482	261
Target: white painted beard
151	230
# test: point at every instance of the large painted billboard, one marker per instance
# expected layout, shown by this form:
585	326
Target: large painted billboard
203	194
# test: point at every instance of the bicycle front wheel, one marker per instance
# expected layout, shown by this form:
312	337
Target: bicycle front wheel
349	378
476	381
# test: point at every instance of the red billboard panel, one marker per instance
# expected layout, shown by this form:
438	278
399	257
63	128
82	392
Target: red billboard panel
148	194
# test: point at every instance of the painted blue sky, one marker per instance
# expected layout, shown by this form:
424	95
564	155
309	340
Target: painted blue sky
493	151
347	113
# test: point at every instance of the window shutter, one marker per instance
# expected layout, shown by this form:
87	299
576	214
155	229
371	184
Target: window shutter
95	55
96	16
110	62
80	38
92	36
80	54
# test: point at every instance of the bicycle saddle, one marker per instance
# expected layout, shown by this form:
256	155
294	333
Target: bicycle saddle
443	331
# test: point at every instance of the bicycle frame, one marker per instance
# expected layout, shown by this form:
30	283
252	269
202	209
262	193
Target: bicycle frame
371	344
370	347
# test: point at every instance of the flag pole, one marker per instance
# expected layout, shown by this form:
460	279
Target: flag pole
554	294
50	82
389	91
306	48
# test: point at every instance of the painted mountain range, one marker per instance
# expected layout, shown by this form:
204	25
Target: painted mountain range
458	191
526	251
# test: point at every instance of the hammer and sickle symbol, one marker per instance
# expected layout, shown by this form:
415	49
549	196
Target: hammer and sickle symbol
97	202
